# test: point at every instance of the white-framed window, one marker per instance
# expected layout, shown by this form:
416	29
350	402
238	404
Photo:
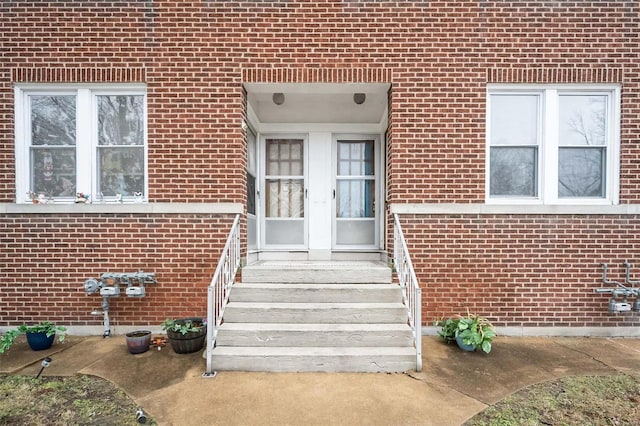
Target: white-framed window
89	139
553	144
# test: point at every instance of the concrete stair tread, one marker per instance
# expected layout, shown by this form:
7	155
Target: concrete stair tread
332	286
312	351
312	265
314	327
318	305
317	272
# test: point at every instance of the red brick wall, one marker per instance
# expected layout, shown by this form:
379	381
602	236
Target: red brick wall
438	56
46	259
520	270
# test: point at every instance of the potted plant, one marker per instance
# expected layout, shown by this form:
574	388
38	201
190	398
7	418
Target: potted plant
138	341
39	336
186	335
470	332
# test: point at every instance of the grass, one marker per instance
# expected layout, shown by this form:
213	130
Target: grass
76	400
584	400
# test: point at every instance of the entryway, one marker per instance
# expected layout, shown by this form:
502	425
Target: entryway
315	169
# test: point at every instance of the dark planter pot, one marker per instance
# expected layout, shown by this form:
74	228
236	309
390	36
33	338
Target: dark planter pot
40	341
138	341
190	342
461	345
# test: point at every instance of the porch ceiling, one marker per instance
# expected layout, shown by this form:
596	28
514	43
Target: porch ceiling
318	102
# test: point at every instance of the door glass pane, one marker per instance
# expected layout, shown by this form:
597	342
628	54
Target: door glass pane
53	140
285	198
355	198
284	157
355	158
581	172
513	171
355	232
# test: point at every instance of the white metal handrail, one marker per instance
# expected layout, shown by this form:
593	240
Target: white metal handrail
220	287
411	292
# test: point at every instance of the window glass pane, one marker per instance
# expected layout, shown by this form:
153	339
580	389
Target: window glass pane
251	194
53	139
53	120
513	171
121	171
120	120
582	119
251	151
53	171
581	172
514	119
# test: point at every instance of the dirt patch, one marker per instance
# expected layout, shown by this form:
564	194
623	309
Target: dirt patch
76	400
593	400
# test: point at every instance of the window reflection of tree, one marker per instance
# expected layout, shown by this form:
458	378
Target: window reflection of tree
513	171
120	123
53	139
120	120
581	162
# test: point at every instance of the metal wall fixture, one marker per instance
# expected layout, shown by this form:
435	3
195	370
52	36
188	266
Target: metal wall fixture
109	286
620	293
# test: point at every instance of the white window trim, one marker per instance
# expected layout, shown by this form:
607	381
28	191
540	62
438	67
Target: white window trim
548	148
86	154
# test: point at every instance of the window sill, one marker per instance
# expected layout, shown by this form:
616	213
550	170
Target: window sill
135	208
559	209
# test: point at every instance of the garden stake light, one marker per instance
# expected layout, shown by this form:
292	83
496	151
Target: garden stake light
45	363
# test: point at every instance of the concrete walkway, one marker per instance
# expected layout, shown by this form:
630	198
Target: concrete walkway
453	386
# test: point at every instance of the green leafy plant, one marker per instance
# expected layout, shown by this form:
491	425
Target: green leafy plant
472	329
449	329
182	326
47	327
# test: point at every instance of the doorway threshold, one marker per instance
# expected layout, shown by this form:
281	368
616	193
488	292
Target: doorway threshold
373	255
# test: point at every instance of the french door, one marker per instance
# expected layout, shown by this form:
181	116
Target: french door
320	192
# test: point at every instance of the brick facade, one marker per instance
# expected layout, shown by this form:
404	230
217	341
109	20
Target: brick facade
520	270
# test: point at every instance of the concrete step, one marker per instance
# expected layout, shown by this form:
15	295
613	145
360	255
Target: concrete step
323	313
321	335
321	359
316	293
345	272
